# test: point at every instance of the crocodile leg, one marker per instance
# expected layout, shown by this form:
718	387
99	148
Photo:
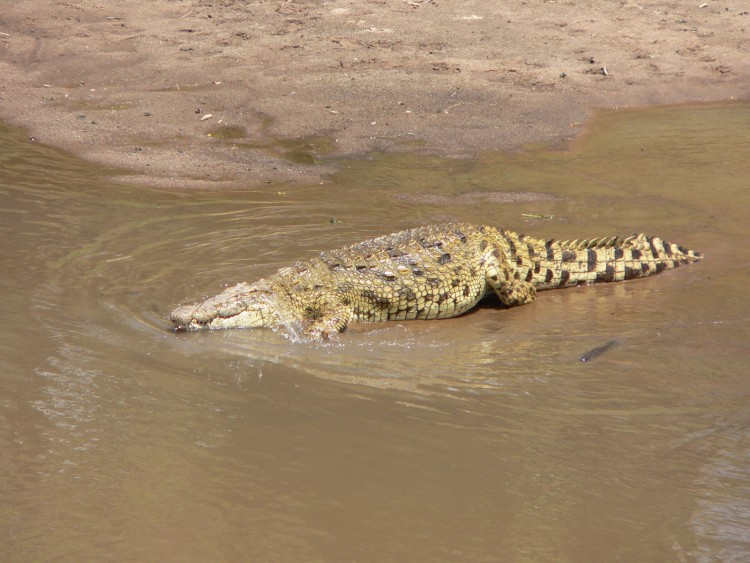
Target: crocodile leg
503	279
327	318
515	292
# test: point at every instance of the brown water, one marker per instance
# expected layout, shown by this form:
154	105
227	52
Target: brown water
477	438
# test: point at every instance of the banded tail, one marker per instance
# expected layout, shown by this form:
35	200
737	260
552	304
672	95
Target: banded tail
553	264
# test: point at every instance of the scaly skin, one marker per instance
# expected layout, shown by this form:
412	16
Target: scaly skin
432	272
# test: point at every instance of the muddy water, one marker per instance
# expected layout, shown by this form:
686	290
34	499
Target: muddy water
478	438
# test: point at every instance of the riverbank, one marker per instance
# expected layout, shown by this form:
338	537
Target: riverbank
199	94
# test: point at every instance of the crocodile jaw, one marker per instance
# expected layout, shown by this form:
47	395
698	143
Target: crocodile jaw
241	306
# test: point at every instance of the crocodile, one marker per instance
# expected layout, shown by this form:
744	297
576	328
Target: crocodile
431	272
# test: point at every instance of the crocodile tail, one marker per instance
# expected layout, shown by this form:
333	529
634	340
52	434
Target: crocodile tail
551	264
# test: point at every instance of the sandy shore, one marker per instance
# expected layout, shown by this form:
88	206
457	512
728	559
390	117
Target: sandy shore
217	93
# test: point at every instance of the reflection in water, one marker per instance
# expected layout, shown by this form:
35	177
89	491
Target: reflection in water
481	437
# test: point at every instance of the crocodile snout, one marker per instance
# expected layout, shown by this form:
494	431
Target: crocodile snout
184	318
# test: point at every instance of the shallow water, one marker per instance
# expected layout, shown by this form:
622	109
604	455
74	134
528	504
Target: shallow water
478	438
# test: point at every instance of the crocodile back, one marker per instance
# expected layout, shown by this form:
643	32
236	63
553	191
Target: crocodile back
424	273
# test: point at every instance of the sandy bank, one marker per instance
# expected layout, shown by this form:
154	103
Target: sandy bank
212	93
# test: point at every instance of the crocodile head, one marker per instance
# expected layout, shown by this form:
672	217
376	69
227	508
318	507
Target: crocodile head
241	306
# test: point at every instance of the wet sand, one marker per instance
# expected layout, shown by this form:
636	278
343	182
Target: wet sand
197	94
